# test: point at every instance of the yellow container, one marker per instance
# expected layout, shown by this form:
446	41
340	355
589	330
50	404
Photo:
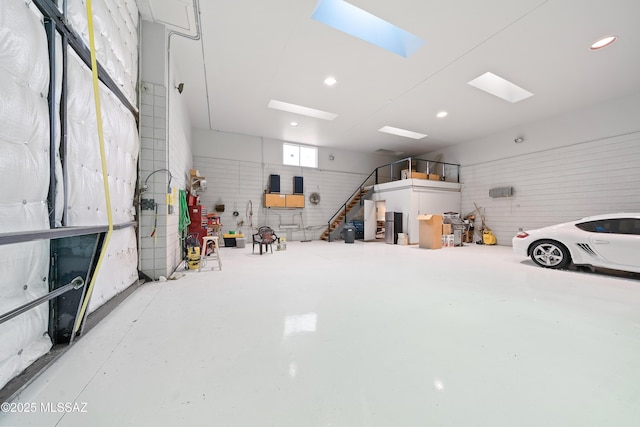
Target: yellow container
488	238
193	258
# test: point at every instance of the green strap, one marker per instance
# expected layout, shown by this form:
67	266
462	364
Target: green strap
184	220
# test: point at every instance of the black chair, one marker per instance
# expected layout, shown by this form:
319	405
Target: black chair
265	236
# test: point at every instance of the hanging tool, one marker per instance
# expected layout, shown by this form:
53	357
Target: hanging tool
484	224
249	214
155	222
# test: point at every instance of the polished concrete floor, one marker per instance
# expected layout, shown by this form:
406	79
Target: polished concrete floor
365	334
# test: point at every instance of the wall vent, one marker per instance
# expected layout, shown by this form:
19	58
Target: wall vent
386	152
501	192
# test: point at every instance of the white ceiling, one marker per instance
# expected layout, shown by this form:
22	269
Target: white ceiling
257	50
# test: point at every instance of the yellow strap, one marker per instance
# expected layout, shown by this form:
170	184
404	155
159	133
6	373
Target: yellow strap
103	158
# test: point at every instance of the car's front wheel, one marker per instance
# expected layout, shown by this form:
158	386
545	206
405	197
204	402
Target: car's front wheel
550	254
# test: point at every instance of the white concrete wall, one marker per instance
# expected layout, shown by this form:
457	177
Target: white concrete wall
579	164
153	165
417	197
237	168
166	145
153	55
180	161
231	146
615	117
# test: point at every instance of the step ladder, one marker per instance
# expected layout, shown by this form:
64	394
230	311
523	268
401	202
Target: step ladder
214	256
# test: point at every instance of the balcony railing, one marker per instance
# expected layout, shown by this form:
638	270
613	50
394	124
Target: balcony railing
401	169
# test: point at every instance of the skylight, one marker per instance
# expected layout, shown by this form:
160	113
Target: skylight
359	23
299	109
496	85
401	132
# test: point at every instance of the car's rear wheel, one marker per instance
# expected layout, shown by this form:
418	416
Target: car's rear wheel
550	254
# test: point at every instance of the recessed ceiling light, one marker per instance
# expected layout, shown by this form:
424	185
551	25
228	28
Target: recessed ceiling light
299	109
294	124
442	114
603	42
402	132
330	81
496	85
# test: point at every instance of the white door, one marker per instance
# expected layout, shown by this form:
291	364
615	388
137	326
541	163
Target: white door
370	222
618	241
621	250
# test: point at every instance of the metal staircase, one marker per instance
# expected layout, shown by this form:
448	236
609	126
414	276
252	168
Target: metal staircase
387	173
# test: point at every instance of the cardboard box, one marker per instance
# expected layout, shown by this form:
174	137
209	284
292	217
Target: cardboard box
448	240
274	200
405	174
433	177
430	231
294	201
446	229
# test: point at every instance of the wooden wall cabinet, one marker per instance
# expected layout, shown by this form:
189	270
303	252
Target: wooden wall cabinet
294	200
274	200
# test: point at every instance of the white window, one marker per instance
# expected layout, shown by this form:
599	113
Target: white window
299	155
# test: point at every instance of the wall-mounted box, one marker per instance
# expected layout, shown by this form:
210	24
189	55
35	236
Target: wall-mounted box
274	183
501	192
274	201
430	231
294	201
298	186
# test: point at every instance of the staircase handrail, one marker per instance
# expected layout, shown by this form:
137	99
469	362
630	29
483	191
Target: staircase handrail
359	189
375	172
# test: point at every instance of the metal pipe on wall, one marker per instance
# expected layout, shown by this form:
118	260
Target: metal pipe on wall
197	36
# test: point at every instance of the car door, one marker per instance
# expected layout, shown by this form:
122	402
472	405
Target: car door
618	242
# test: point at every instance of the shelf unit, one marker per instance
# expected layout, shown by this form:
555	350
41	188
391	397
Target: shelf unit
198	216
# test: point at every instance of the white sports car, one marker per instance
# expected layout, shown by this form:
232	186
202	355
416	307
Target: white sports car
608	241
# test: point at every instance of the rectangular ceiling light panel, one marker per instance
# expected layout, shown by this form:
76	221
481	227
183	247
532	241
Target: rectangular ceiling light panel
359	23
299	109
402	132
496	85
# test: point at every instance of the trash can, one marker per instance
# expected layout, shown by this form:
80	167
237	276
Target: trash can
349	233
359	226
